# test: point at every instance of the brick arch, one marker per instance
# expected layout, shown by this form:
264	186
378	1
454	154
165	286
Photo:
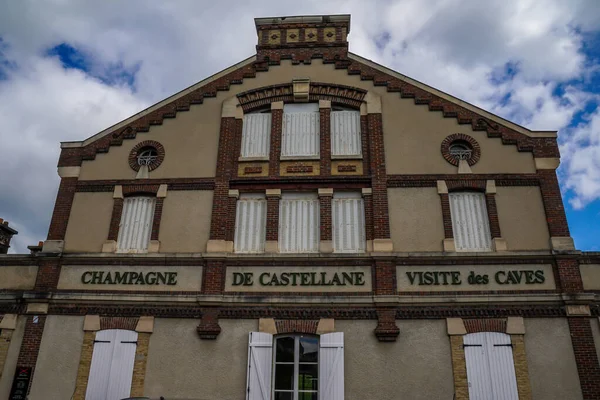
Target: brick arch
126	323
297	326
134	190
485	325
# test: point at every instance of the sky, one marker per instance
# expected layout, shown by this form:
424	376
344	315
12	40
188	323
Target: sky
71	68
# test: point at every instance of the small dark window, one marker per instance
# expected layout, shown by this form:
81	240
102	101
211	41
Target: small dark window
460	150
147	156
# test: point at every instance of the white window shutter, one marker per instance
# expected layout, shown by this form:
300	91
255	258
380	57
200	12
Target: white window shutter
250	224
478	369
470	223
260	361
136	224
300	133
299	223
345	133
97	386
331	366
348	220
256	135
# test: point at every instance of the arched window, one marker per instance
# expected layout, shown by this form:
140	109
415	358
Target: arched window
470	223
136	224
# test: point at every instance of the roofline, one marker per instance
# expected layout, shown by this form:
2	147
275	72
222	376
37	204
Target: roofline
303	19
462	103
125	122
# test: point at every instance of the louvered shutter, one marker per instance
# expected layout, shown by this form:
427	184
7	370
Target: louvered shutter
260	361
250	224
331	366
136	224
299	223
256	135
348	220
345	133
470	223
300	133
478	369
111	369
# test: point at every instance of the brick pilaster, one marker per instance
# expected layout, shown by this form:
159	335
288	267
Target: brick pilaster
276	131
230	220
325	137
490	199
569	275
325	219
368	201
381	225
585	357
273	216
385	277
48	274
157	217
115	219
62	209
446	216
30	347
214	277
364	138
553	204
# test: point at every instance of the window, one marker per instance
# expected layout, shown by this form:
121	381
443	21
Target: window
295	367
250	223
348	219
111	370
300	135
470	223
460	150
490	366
299	223
147	156
136	224
345	133
256	135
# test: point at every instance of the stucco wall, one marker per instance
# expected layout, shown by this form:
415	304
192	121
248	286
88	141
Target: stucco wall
89	222
417	366
551	361
416	219
10	363
58	360
20	277
590	275
522	218
181	365
185	223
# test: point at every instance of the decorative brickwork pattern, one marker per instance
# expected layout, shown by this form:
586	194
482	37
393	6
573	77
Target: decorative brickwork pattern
299	169
126	323
30	347
139	366
471	181
62	209
135	152
252	170
521	368
459	368
386	330
485	325
85	364
209	324
346	168
455	185
457	137
140	188
297	326
585	357
172	184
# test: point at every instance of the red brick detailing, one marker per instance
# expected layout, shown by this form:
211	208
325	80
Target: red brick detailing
472	143
231	215
364	138
485	325
325	228
127	323
256	99
455	185
553	204
297	326
115	219
569	275
62	209
299	169
213	277
140	189
209	328
172	184
30	347
585	356
275	148
157	218
47	275
492	210
133	154
252	170
272	218
446	215
368	201
471	181
381	226
384	279
325	140
296	183
346	168
386	330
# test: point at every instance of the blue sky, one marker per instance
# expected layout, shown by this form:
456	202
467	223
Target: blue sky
72	68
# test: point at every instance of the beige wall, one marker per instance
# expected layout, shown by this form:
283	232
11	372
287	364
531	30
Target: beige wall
522	218
58	360
416	219
10	364
552	367
181	365
417	366
89	222
18	277
185	222
590	275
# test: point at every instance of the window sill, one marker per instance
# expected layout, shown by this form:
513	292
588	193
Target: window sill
241	159
299	158
347	157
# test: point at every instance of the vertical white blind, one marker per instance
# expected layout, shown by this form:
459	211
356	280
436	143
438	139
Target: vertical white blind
331	366
300	135
136	224
345	133
299	223
111	370
250	224
490	366
348	219
470	222
260	359
256	135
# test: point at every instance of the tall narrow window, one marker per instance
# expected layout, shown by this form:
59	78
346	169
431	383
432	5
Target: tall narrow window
111	370
300	137
296	374
299	223
256	135
490	366
250	223
470	223
136	224
348	219
345	133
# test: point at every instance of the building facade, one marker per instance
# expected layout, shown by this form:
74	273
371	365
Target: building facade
306	224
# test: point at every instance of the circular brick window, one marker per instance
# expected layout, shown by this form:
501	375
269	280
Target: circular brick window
148	152
458	147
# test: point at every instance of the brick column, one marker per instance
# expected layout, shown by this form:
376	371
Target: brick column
62	208
492	211
272	231
214	277
233	196
325	220
115	219
555	212
384	282
585	356
367	194
448	242
325	136
276	130
30	347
